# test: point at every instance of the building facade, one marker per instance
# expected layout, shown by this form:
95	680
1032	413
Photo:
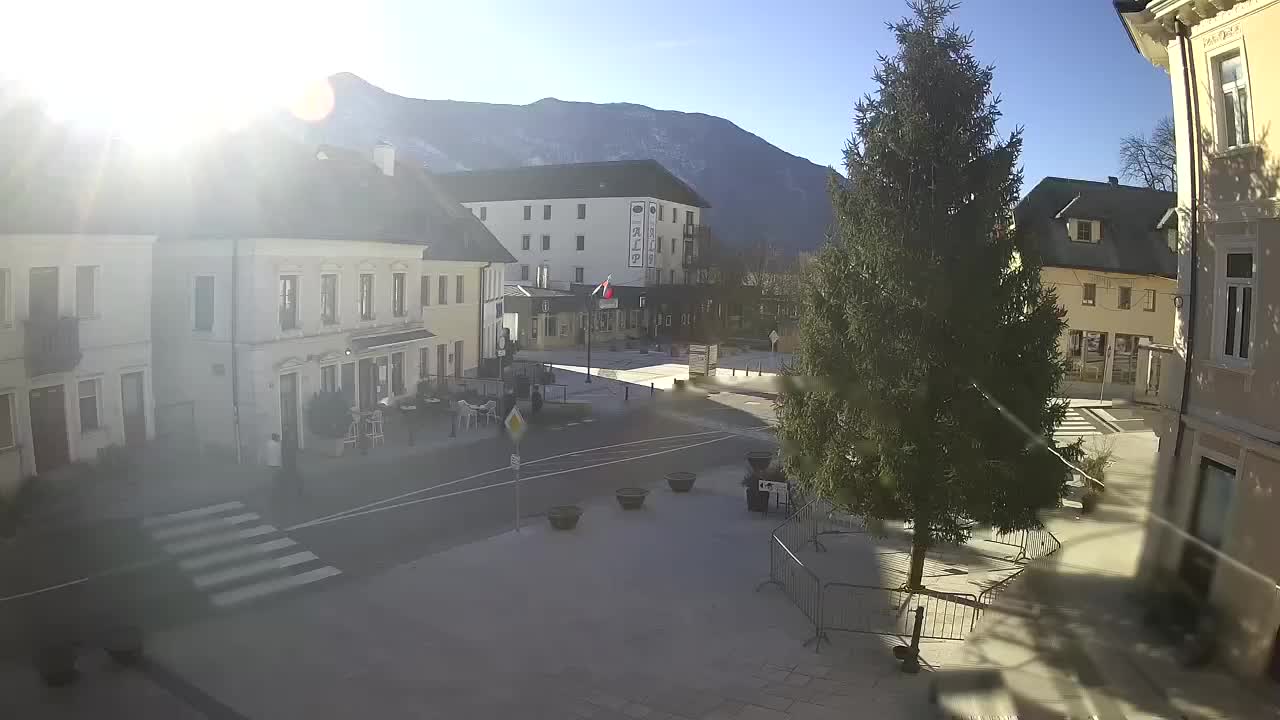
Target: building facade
1218	488
75	349
1108	250
568	224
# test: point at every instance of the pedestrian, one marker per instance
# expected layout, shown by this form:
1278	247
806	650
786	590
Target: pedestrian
273	457
290	475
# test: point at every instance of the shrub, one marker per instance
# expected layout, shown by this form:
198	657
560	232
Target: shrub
329	415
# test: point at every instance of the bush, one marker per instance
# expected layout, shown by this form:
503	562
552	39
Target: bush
329	415
1094	464
1089	501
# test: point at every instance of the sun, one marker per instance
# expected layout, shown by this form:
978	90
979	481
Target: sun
170	73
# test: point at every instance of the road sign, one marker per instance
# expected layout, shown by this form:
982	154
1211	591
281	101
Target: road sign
515	461
774	336
502	352
516	426
609	304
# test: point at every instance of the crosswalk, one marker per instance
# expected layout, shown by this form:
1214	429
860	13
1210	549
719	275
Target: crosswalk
1074	425
234	557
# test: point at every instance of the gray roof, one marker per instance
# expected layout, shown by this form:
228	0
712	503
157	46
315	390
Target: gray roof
252	184
1129	216
619	178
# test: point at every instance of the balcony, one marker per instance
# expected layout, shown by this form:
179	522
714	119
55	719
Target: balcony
697	232
52	345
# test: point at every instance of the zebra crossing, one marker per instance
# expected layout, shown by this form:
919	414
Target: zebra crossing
230	554
1075	425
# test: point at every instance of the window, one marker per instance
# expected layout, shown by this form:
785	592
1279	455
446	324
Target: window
366	296
673	246
484	213
578	274
528	212
458	294
397	294
524	242
672	278
203	302
688	217
1149	300
1214	492
424	291
1238	308
524	272
1090	294
86	288
662	209
581	242
688	278
7	438
549	326
582	211
329	299
397	373
1085	231
349	382
5	305
424	363
1125	301
546	212
442	290
288	302
89	405
660	243
1234	98
546	242
329	378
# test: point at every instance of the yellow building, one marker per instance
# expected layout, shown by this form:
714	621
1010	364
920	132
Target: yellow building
1106	248
1219	468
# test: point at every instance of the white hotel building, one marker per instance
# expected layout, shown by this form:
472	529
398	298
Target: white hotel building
574	223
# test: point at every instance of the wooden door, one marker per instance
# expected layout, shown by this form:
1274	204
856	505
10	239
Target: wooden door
49	428
133	405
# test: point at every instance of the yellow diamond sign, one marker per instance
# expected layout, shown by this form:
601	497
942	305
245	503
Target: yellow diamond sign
516	425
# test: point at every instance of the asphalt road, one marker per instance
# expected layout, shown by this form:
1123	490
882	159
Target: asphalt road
158	571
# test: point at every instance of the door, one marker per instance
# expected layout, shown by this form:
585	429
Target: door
43	294
289	410
132	397
442	362
457	358
49	428
368	384
349	382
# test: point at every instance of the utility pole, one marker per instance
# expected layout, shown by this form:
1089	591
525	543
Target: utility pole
587	306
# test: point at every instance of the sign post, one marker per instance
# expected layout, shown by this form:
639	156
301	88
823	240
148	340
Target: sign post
516	427
773	340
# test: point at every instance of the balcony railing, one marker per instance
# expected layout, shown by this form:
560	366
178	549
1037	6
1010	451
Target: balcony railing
697	232
52	345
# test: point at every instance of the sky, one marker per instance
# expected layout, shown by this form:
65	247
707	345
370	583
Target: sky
788	72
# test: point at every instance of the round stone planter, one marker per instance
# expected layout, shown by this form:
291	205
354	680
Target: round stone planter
681	482
759	460
564	517
631	498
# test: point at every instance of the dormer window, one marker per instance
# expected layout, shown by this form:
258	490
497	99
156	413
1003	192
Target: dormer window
1084	231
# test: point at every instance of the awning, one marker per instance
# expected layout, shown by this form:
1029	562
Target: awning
373	342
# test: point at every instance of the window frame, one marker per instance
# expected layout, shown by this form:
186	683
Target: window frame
1148	300
335	317
524	272
580	242
398	282
13	421
195	302
442	290
1123	302
579	274
424	291
459	292
546	243
1085	294
95	275
332	369
1233	245
6	298
528	212
96	383
280	297
546	211
484	213
526	241
365	304
1216	59
582	211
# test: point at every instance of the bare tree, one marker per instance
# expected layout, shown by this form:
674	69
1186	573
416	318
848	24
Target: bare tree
1151	160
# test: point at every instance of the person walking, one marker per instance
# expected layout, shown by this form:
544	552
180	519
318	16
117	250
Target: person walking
273	458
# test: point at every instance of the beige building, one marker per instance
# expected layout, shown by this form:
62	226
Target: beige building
1108	251
1219	470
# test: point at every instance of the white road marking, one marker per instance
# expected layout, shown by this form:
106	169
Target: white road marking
244	551
209	541
572	424
196	528
268	587
256	568
1106	415
352	513
191	514
589	420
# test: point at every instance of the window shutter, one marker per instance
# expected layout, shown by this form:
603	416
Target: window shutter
1097	232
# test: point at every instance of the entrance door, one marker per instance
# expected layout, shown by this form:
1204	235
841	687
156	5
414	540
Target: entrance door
457	358
368	384
289	410
43	294
132	401
442	361
349	382
49	428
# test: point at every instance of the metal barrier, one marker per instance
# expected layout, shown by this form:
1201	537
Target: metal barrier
800	584
564	392
890	611
1031	544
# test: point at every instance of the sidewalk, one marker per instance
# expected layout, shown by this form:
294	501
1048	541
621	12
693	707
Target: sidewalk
644	614
1066	640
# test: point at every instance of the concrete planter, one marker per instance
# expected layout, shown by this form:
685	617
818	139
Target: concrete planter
631	498
564	517
681	482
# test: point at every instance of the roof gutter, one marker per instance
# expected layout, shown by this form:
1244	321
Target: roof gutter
1129	6
1188	82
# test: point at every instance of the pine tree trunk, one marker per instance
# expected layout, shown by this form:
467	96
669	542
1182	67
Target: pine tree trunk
919	546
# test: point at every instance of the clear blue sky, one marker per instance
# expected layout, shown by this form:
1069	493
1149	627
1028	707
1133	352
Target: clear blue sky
789	72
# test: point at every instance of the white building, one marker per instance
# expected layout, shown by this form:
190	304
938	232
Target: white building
324	271
575	223
75	322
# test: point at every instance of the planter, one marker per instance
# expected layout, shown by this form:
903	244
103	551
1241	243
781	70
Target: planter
329	447
759	460
679	384
631	498
757	499
564	517
57	664
681	482
124	644
1089	502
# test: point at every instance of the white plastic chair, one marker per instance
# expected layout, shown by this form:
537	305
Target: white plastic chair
353	432
374	429
466	414
490	412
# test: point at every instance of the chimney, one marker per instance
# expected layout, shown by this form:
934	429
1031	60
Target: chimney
1110	178
384	156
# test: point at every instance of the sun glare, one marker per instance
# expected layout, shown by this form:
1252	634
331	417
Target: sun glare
167	74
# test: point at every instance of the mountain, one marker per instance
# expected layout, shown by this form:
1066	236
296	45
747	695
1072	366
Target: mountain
757	191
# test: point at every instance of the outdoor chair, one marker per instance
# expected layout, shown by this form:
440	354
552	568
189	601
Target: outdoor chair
353	432
466	414
490	411
374	428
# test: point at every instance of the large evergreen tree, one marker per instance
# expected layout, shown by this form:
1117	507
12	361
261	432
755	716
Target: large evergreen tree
924	308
